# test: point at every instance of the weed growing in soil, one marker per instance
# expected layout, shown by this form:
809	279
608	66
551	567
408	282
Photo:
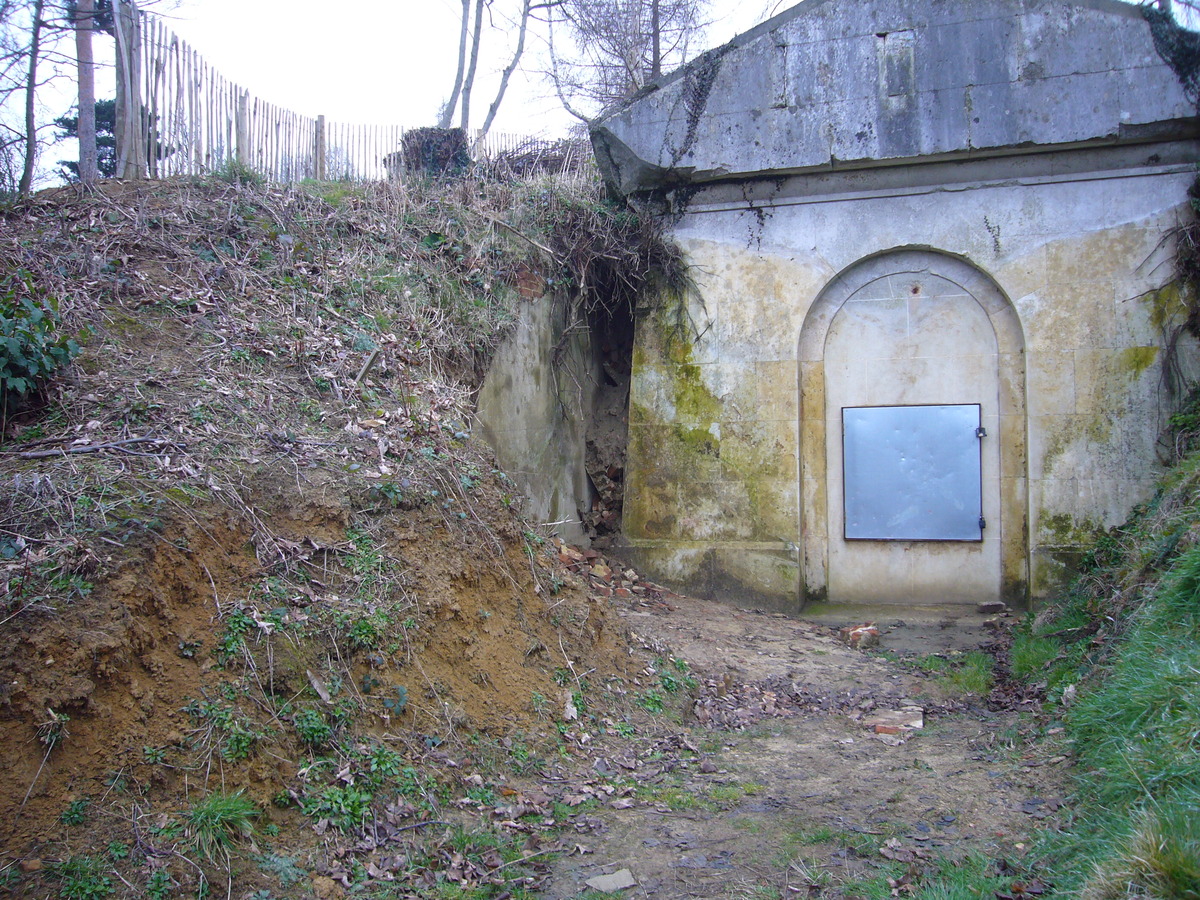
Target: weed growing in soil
160	885
76	812
284	868
219	821
83	878
312	729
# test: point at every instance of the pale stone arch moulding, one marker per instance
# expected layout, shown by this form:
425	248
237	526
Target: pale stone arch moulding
1011	400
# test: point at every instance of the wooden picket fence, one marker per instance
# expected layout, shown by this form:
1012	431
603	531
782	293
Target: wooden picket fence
177	115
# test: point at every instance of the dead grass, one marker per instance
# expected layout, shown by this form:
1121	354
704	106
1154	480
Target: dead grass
248	530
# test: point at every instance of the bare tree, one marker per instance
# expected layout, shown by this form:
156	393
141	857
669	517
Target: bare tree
33	52
12	57
527	8
84	23
31	33
476	18
472	67
614	48
464	31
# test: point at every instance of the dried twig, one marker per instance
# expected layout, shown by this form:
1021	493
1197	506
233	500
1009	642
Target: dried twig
96	448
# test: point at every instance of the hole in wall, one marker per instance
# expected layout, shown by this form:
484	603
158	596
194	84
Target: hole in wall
608	429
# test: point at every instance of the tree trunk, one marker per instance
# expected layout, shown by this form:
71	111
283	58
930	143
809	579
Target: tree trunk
131	139
448	110
469	81
656	39
508	71
35	40
84	25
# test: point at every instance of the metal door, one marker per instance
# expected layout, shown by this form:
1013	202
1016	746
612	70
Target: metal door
912	473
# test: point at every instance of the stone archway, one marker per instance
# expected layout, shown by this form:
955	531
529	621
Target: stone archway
912	331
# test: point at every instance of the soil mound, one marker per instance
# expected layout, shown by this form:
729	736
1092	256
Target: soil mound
256	573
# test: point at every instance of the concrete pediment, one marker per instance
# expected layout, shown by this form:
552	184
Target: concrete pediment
854	83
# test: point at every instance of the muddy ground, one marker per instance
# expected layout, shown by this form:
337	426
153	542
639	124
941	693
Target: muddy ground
793	794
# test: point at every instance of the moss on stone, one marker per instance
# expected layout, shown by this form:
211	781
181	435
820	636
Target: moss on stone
1138	359
694	402
1064	530
698	439
1168	305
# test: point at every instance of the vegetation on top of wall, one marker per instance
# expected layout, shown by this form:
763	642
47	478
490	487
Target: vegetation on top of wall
611	258
1178	46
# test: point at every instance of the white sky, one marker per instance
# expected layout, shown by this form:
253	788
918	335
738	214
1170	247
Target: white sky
388	61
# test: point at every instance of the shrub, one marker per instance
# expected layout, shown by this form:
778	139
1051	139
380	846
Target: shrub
30	348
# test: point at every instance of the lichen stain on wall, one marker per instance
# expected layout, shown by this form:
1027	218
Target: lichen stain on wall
705	467
1168	306
675	432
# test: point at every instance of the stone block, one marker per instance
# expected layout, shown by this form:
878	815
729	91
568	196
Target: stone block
777	390
1051	382
757	579
714	511
775	510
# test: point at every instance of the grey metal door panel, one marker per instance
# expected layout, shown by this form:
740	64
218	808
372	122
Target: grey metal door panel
912	473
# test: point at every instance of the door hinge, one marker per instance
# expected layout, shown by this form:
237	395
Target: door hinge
980	432
982	523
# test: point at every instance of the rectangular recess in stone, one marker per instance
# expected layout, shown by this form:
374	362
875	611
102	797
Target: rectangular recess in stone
912	473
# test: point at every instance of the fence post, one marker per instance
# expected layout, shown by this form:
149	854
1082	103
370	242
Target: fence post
319	150
131	126
242	128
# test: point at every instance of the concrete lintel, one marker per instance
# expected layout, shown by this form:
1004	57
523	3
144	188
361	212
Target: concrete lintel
913	177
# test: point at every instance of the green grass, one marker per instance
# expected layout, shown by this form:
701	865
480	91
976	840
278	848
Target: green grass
732	792
675	798
971	878
973	674
218	821
1031	655
1138	734
966	673
1128	637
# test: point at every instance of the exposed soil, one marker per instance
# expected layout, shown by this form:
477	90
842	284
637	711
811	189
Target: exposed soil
126	663
810	801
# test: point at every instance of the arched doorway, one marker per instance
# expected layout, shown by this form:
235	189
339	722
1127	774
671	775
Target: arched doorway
913	435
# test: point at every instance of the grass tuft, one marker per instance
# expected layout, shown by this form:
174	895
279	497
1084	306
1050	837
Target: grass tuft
217	822
1160	857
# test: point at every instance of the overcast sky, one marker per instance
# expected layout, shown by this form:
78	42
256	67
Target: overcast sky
387	61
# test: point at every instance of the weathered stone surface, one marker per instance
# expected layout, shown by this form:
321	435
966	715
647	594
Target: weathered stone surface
520	414
1052	163
835	83
610	884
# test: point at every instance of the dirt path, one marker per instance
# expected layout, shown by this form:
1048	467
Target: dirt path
791	793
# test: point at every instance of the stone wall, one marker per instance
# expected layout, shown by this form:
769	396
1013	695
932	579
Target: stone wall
1002	238
534	409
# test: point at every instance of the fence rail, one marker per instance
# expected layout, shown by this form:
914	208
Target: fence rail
177	115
